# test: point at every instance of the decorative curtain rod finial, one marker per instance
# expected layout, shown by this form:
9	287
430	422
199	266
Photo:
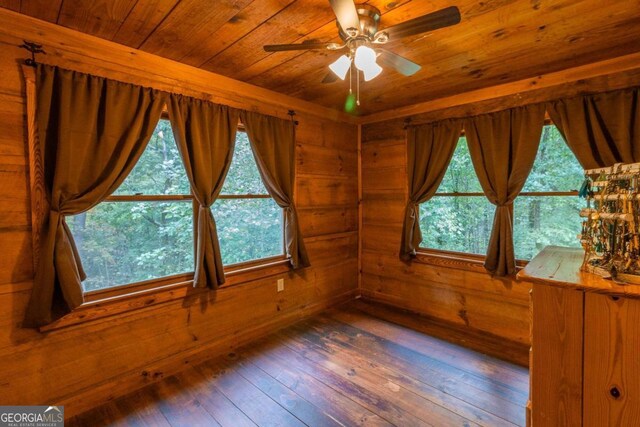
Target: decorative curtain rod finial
33	48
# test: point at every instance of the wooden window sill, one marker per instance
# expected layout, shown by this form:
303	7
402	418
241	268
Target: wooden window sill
457	260
110	302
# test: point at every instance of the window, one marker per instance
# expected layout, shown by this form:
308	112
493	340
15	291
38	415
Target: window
547	210
145	230
459	217
249	222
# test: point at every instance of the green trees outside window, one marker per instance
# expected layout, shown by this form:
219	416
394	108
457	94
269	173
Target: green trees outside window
459	217
145	230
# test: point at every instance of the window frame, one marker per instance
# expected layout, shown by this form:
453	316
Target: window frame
103	303
185	277
467	260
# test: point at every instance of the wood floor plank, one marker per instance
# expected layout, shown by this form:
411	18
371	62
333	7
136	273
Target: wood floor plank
369	397
179	405
394	379
465	363
345	367
296	405
412	403
256	405
337	405
492	349
214	401
144	407
393	324
471	389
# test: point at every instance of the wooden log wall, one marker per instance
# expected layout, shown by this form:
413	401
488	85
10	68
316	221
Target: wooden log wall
84	364
459	292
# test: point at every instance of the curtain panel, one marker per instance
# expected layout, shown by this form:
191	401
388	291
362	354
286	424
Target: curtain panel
273	144
601	129
92	132
206	136
503	147
429	151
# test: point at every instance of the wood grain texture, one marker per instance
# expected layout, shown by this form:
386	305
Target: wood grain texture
344	367
556	394
39	202
559	266
611	342
497	42
104	58
149	337
455	292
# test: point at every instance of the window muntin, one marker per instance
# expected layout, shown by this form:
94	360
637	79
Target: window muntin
248	221
459	217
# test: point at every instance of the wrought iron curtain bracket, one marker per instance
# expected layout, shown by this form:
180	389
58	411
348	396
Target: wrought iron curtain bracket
292	113
33	48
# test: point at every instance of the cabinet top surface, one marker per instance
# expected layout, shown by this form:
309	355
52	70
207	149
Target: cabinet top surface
559	266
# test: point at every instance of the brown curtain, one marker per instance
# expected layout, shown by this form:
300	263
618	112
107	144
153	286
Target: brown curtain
503	147
206	135
429	151
273	144
601	129
92	131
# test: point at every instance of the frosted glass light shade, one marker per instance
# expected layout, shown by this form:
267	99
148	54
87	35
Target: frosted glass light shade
371	72
365	61
341	66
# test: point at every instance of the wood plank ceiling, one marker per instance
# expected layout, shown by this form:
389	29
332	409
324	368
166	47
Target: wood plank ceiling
498	41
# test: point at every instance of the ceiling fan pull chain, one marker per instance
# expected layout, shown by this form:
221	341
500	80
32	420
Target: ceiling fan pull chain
358	88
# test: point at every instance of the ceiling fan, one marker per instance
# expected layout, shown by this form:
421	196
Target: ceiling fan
358	29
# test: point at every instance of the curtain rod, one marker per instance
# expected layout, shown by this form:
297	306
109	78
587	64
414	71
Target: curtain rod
36	48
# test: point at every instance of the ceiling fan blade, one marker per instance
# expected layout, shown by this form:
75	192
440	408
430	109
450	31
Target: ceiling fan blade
398	63
330	78
297	46
346	13
432	21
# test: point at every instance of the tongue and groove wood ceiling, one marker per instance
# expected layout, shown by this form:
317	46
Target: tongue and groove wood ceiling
498	41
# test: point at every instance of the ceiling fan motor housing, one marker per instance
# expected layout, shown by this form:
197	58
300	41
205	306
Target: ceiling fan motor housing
369	20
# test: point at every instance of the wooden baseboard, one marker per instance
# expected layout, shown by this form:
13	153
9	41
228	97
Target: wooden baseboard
481	341
137	378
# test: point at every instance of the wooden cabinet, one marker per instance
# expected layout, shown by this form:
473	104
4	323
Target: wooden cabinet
585	345
611	361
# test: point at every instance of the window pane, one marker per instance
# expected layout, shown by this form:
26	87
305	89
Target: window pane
159	170
543	221
127	242
458	223
555	167
248	229
460	176
243	176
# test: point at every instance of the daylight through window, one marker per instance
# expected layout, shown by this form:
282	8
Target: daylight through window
145	230
459	217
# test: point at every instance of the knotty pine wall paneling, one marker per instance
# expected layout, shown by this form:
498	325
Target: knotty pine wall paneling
459	293
82	365
466	297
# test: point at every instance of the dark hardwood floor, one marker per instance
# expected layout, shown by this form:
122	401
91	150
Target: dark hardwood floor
345	367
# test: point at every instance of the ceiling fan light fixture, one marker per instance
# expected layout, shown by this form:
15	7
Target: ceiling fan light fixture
364	57
365	61
341	66
371	71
